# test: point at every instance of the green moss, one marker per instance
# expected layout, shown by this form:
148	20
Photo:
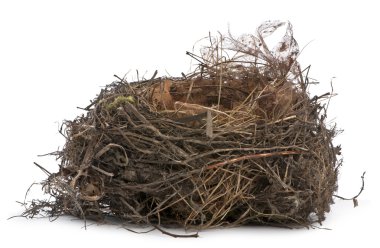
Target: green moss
119	101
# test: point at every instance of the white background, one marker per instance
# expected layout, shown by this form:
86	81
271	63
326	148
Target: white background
56	55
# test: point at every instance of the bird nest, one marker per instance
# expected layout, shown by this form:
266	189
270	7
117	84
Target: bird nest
237	141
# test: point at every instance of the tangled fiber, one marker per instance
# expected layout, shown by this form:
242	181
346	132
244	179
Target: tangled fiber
237	141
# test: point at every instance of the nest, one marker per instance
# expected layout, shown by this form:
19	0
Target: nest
237	141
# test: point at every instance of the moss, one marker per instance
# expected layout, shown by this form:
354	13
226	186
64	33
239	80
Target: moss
119	101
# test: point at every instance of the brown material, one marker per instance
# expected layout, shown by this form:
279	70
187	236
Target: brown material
251	156
237	141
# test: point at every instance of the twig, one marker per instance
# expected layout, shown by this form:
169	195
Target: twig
154	75
196	57
122	80
195	235
102	171
252	156
42	168
331	93
354	199
283	119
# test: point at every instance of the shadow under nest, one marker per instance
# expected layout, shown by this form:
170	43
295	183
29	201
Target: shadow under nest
237	141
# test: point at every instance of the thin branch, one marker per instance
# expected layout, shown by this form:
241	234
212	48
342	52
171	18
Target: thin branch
252	156
42	168
195	235
354	199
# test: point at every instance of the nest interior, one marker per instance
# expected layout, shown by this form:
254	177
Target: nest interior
237	141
